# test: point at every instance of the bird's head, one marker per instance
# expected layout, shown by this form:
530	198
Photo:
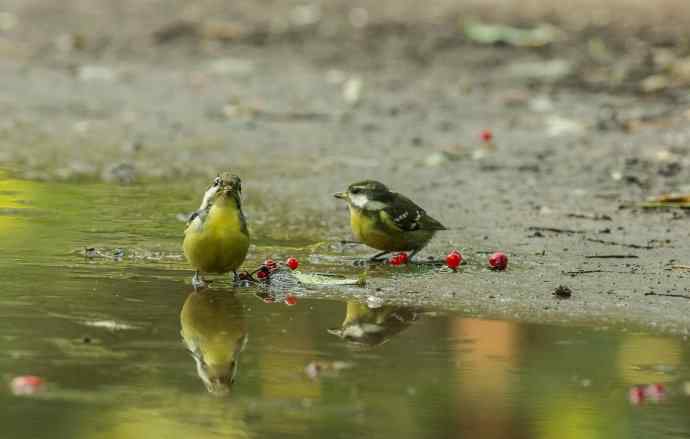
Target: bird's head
225	186
360	193
217	377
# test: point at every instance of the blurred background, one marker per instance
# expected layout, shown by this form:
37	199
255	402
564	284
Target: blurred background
90	83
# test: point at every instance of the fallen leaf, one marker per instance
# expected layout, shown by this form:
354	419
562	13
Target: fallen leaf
538	36
667	200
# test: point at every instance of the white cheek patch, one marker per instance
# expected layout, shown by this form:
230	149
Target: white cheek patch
359	200
207	197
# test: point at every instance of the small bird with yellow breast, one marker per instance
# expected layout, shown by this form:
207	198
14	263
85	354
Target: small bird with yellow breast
216	238
386	220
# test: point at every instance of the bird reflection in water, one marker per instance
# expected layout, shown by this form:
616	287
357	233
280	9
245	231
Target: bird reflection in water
369	326
215	332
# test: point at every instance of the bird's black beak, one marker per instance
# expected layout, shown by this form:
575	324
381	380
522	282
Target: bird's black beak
341	195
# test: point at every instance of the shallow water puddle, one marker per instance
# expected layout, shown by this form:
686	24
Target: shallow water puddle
127	350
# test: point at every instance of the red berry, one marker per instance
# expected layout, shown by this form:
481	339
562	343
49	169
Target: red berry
270	264
262	274
395	260
636	395
290	300
453	260
655	392
26	385
487	135
498	261
293	263
403	258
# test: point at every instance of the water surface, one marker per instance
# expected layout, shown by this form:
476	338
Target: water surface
128	350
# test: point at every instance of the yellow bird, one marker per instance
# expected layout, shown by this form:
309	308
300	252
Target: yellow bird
216	238
215	332
386	220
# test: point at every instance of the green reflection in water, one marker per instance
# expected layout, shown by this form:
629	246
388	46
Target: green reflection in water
215	332
112	339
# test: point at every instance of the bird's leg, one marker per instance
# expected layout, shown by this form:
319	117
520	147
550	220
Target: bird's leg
242	281
378	257
429	261
198	281
236	281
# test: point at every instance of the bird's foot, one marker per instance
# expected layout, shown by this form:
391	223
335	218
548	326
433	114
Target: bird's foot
363	262
379	257
242	279
198	282
429	260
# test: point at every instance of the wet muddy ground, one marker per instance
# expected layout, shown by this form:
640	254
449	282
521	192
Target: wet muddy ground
299	113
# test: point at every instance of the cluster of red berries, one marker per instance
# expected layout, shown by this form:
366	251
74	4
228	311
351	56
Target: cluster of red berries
269	266
497	261
653	392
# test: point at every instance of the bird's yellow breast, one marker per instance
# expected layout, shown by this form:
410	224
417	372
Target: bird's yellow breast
372	230
219	244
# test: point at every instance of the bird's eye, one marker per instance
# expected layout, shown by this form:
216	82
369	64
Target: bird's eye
356	190
216	181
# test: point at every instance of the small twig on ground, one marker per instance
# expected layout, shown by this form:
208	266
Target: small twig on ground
611	257
291	116
621	244
554	230
591	216
578	272
575	273
681	296
429	262
679	267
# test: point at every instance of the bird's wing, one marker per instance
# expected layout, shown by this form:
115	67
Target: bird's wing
406	216
196	219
